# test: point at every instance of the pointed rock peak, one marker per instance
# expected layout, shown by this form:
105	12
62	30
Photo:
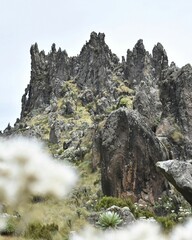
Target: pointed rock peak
140	43
53	48
95	38
187	67
139	47
34	49
159	50
160	46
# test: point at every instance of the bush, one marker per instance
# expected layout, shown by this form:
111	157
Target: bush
38	231
143	213
167	223
107	202
109	220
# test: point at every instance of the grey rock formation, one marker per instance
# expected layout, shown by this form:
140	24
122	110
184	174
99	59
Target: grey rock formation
48	72
143	72
160	60
129	151
178	173
66	92
96	61
176	98
91	70
148	104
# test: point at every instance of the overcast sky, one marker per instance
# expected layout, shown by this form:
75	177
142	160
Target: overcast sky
68	23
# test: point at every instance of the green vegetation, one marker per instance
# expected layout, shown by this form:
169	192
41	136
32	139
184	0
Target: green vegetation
123	89
109	220
177	136
38	231
168	221
126	101
106	202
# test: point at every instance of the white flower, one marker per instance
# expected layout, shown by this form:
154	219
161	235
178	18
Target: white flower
182	232
139	230
26	168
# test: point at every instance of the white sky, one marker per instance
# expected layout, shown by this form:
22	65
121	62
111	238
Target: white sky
68	23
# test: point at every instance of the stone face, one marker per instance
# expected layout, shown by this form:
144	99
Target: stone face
148	104
176	98
178	173
129	151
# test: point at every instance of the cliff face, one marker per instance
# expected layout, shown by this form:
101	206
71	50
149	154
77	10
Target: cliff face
69	99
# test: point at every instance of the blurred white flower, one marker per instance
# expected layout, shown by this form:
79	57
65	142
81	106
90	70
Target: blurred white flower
182	231
144	230
26	168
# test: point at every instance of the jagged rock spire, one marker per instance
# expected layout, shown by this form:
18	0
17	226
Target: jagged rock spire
160	59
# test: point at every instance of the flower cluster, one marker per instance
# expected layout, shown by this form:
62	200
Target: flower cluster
27	169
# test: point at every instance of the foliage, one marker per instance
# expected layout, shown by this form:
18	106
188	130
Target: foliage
138	213
106	202
109	220
38	231
177	136
125	102
166	222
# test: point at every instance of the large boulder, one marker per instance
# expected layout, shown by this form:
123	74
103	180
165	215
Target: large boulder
179	173
129	151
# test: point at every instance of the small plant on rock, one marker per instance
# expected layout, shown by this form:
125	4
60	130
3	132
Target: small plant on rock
109	220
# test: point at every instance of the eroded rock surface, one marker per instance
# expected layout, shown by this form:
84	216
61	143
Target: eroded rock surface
176	98
129	152
179	173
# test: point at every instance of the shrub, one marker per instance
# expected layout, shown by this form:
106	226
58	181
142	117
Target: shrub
143	213
109	220
166	222
107	202
38	231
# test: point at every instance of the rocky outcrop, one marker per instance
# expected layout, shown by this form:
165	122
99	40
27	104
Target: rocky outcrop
69	98
143	72
92	70
129	152
178	173
176	98
95	65
142	66
160	61
48	72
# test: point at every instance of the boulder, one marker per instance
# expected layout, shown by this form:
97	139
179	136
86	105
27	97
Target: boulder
129	151
178	173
